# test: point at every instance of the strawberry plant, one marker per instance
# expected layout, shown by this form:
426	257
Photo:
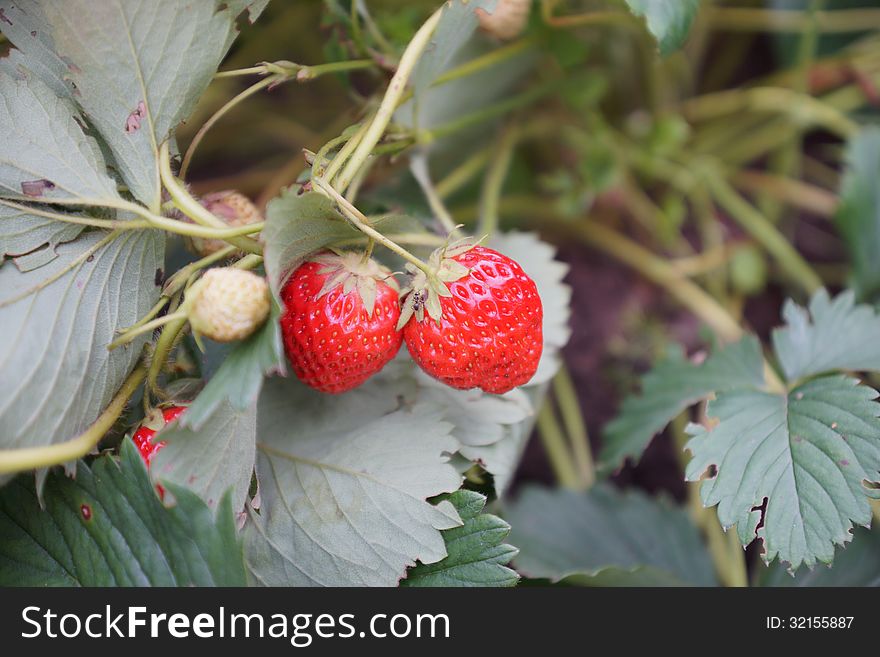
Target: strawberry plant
287	288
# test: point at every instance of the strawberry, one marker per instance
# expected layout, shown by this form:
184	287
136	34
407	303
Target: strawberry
484	323
143	437
339	324
234	208
227	304
507	20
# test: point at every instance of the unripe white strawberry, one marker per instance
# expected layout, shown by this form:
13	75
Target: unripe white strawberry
508	20
227	304
234	208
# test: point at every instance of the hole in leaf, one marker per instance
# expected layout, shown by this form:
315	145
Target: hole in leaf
763	509
710	472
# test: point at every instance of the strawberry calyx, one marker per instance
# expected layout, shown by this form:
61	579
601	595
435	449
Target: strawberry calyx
426	287
354	272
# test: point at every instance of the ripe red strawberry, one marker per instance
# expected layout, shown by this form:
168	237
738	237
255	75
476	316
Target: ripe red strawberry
340	321
489	333
143	437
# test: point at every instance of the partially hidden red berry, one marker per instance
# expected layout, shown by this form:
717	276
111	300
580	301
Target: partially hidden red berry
144	437
340	321
489	333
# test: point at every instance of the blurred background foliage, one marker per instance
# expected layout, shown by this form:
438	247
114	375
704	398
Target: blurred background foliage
672	184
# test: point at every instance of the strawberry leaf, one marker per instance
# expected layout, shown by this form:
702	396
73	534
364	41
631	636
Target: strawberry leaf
121	62
23	233
239	379
476	553
606	538
44	151
858	215
791	468
832	334
57	374
857	565
298	225
668	20
108	527
344	482
214	459
455	42
669	388
458	23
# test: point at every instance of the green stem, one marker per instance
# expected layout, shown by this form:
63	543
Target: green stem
575	427
765	233
802	108
413	239
109	224
220	113
591	18
184	201
182	275
736	19
796	193
493	183
362	224
345	152
463	173
148	327
662	273
155	310
481	63
419	168
556	449
29	458
164	345
493	111
253	70
316	71
396	88
787	160
249	262
162	223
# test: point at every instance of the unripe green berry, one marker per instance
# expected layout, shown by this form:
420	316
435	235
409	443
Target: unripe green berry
748	271
227	304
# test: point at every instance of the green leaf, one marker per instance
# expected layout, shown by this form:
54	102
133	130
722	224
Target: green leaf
23	233
606	538
858	215
834	334
123	60
343	486
239	378
857	565
298	225
454	44
108	527
806	455
476	553
214	459
44	151
673	385
668	20
55	370
458	23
